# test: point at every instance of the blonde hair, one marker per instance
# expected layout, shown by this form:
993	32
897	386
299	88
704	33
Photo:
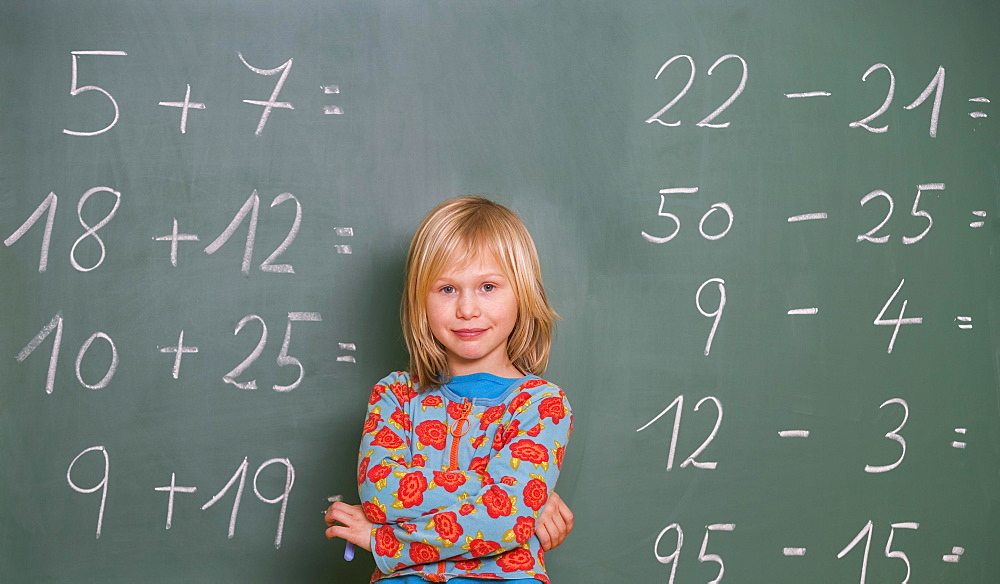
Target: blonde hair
454	233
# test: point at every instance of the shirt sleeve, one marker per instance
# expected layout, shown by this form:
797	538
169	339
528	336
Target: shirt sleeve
498	511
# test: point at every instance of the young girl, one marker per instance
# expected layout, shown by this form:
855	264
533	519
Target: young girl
460	455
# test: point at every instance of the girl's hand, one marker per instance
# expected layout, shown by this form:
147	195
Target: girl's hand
349	522
555	523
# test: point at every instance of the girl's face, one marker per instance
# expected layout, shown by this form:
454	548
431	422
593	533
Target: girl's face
472	310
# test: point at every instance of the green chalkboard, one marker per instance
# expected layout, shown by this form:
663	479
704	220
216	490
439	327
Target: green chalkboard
770	228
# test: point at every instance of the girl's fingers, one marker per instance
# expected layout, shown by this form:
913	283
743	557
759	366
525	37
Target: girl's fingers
342	513
567	516
543	537
348	522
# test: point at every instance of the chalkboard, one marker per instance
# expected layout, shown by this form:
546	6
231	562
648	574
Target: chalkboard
769	227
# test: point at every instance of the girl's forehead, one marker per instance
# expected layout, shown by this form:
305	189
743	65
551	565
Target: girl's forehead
477	260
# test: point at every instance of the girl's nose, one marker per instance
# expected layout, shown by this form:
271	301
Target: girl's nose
468	306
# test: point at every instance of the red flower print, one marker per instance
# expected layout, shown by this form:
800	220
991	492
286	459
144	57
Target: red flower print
468	565
507	434
387	439
479	464
450	481
478	441
524	529
386	543
509	481
516	560
446	525
411	489
535	494
535	430
498	439
552	407
404	392
560	454
402	419
376	395
532	383
518	401
490	415
363	468
409	527
529	451
456	410
378	472
431	401
482	547
423	553
467	509
371	423
432	433
419	461
497	502
373	512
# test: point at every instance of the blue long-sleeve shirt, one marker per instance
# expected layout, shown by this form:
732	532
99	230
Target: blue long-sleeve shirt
454	483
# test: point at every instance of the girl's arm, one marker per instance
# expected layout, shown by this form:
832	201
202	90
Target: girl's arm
499	511
350	523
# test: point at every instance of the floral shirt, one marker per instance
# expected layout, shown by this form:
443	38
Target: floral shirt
454	485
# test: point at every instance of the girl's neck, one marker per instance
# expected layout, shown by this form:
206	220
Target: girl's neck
508	370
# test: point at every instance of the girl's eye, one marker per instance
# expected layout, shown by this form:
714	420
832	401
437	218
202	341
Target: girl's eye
489	287
447	289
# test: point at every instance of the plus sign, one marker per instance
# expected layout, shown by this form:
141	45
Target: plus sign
185	106
173	238
173	488
179	351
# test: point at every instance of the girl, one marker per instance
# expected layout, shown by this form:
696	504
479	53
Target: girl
460	454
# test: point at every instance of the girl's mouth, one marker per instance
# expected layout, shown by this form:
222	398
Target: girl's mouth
468	333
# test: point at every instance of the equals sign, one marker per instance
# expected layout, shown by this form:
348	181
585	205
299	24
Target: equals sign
343	232
964	322
978	224
331	109
960	432
978	100
347	358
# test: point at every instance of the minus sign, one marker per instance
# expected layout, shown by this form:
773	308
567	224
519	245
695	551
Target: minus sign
794	433
807	217
790	551
808	94
800	311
